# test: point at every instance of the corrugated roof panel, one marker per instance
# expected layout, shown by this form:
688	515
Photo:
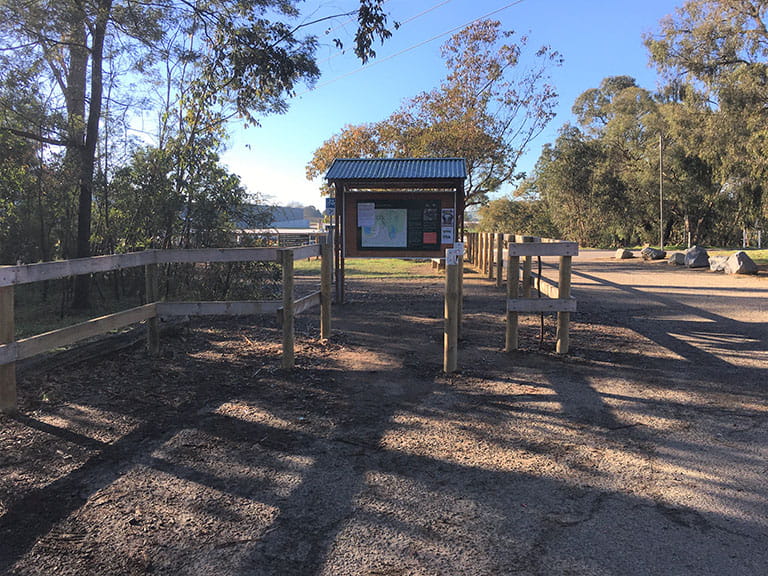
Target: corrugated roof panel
396	169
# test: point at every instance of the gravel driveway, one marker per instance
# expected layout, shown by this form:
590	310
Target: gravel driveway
643	451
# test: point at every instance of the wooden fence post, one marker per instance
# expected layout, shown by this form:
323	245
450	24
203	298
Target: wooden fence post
483	252
491	251
527	266
478	251
152	291
513	278
288	356
7	336
450	339
325	290
499	260
564	318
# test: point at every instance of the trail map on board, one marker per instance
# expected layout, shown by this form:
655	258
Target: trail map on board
389	230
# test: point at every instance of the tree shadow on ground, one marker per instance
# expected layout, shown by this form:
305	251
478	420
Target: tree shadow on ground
368	460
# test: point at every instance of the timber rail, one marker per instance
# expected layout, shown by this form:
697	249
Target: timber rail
12	350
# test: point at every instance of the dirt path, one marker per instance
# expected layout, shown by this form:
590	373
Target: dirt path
644	451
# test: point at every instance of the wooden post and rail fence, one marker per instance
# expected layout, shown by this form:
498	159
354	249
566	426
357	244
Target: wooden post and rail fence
12	350
485	252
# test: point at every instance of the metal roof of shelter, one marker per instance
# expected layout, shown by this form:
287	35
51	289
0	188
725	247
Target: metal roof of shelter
406	169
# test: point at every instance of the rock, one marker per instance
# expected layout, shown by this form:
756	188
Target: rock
649	253
717	263
677	259
696	257
624	254
740	263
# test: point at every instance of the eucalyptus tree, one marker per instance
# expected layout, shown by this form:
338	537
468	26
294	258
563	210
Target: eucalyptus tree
247	54
495	99
719	49
586	200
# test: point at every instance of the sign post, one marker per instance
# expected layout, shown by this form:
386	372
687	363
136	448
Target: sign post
450	332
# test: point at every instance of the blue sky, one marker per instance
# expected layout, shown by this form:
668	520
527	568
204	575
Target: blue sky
596	38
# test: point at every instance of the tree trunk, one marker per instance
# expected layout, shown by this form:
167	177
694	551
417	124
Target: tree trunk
81	297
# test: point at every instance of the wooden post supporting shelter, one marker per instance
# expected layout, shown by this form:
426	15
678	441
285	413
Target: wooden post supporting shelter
7	336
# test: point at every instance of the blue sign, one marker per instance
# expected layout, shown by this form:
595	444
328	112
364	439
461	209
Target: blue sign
330	206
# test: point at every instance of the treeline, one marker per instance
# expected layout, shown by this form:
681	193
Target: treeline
685	164
86	85
157	198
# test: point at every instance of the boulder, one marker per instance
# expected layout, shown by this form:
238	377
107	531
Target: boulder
624	254
677	259
717	263
649	253
740	263
696	257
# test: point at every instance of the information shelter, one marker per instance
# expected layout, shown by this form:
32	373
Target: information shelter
395	208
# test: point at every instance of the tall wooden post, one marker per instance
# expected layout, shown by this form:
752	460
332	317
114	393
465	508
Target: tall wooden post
460	248
325	290
450	331
499	260
513	279
152	291
7	336
564	318
288	357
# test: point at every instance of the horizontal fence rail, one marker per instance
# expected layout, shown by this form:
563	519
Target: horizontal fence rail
12	350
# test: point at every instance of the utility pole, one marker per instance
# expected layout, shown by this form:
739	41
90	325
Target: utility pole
661	192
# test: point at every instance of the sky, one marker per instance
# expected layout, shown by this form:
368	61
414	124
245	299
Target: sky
597	39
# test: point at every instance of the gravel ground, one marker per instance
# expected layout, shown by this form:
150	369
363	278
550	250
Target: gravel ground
642	451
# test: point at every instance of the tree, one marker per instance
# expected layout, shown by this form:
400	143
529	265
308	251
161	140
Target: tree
493	102
719	50
523	213
586	198
247	57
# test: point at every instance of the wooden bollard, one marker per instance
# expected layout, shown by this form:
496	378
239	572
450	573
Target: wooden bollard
513	278
564	318
288	357
7	336
450	331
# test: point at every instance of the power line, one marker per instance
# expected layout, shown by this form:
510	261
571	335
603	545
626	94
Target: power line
399	25
414	46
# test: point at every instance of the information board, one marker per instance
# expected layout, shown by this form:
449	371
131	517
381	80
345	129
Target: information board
399	224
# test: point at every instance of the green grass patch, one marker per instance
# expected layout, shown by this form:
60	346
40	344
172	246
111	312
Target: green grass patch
374	268
760	257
